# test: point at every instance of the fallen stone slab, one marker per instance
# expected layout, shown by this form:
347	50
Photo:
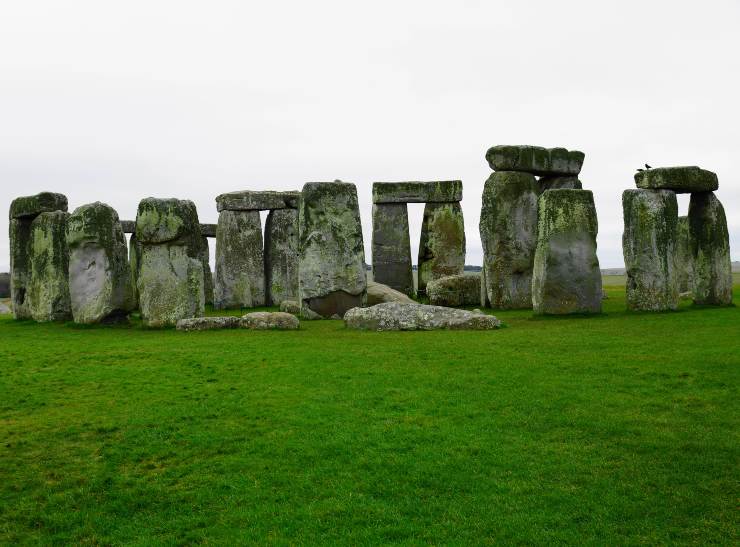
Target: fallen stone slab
240	262
442	243
377	293
455	290
402	316
559	183
264	320
679	179
48	286
709	246
535	159
257	200
442	191
391	247
32	206
208	323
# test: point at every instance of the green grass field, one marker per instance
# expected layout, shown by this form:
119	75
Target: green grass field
610	430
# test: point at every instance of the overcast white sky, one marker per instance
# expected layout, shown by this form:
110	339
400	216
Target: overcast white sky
116	101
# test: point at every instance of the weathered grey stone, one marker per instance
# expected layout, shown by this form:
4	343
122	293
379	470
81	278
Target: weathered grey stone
391	247
204	255
684	262
332	255
559	183
208	323
508	231
281	255
442	191
709	246
48	286
208	230
5	310
263	320
442	244
240	263
4	285
134	261
377	293
485	302
455	290
535	160
290	306
649	246
99	274
262	200
128	226
403	316
169	220
678	179
32	206
566	276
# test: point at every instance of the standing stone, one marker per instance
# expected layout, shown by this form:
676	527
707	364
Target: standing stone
391	247
48	288
99	274
508	231
204	255
442	244
709	246
4	285
455	290
240	263
281	255
134	260
559	183
649	246
684	263
331	268
566	276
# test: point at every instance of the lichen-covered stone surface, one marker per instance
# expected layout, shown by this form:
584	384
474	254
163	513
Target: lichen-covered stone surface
48	286
4	285
290	306
134	260
443	191
377	293
99	274
204	255
649	245
128	226
240	263
208	230
332	256
566	277
261	200
208	323
442	243
678	179
32	206
535	160
263	320
684	262
281	255
402	316
559	183
709	247
391	247
508	231
455	290
165	220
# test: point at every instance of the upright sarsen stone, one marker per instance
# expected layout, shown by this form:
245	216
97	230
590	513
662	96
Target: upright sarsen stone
332	256
649	244
48	287
566	276
281	255
204	255
442	243
240	264
508	231
709	247
134	260
684	263
391	247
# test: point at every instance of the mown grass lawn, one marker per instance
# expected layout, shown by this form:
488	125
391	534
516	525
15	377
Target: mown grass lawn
617	429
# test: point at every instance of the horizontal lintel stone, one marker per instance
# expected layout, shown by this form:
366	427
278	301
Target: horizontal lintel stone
31	206
441	191
681	180
253	200
535	160
206	230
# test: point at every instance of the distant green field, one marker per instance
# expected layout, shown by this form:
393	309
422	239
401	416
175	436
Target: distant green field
617	429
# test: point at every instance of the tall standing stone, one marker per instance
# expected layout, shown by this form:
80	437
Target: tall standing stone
442	243
391	247
48	288
204	255
684	263
709	246
240	263
566	276
281	255
508	231
99	274
134	260
649	244
331	270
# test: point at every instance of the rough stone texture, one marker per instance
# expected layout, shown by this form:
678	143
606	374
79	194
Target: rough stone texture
377	293
4	285
240	263
560	183
709	247
485	302
403	316
248	200
208	230
391	247
281	255
128	226
566	276
208	323
32	206
290	306
684	262
678	179
99	274
204	255
48	286
134	261
535	160
442	244
508	231
649	246
332	256
443	191
455	290
263	320
4	310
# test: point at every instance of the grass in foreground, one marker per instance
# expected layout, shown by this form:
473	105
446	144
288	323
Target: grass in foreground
615	429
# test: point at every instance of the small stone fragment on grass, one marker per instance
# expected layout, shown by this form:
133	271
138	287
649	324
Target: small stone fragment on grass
208	323
265	320
290	306
455	290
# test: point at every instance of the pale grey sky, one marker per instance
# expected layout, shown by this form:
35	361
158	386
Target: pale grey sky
116	101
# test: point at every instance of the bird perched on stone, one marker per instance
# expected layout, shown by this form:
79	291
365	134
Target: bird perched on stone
647	166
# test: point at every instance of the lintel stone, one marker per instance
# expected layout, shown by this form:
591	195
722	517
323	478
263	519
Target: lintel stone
681	180
32	206
249	200
441	191
535	160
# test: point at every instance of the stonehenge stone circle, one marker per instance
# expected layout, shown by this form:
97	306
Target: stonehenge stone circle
684	262
709	248
442	244
281	255
99	274
332	256
678	179
48	287
508	231
444	191
403	316
455	290
392	247
566	276
535	160
650	244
